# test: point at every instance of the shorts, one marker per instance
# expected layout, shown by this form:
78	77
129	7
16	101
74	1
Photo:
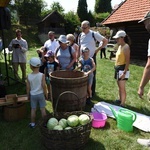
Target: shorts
117	68
47	80
90	78
36	100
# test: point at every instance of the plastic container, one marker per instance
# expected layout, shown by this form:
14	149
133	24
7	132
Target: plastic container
99	119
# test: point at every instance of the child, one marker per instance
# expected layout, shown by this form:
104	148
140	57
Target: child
51	65
41	53
87	65
36	89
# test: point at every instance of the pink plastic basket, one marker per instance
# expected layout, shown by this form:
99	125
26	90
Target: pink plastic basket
99	119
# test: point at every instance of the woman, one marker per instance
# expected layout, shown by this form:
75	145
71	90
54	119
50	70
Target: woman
65	55
122	64
71	39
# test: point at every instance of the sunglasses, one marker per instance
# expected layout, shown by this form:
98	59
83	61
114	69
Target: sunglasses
84	27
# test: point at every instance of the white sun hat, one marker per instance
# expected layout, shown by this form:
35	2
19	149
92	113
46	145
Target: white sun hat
63	39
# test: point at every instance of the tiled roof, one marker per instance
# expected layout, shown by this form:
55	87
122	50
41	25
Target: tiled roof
129	10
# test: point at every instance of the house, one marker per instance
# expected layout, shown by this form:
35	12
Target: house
126	17
52	22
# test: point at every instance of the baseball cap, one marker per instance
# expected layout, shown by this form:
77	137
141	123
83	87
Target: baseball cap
85	49
147	16
120	33
49	53
63	39
35	62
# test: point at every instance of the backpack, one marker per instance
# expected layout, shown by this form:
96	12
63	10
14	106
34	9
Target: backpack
70	49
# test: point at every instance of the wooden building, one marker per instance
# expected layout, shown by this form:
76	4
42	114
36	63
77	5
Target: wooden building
126	17
52	22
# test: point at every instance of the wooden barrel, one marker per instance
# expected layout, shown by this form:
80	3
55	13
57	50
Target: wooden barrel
74	81
15	112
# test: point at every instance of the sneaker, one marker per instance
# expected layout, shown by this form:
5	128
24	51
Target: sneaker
117	102
144	142
123	106
88	101
31	125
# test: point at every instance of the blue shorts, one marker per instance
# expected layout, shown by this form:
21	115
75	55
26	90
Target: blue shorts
36	100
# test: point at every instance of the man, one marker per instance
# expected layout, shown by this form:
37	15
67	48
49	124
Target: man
52	43
19	47
87	38
146	73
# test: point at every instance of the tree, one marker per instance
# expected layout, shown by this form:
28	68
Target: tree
27	10
72	21
82	10
56	6
102	6
91	19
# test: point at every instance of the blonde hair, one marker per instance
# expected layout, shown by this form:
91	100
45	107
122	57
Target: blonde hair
70	37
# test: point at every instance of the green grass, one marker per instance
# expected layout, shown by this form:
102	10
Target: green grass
18	136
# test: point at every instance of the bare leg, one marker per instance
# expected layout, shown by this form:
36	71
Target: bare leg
122	91
89	91
43	112
33	115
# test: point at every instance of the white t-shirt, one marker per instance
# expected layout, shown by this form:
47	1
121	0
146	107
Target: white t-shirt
35	81
148	48
51	45
87	40
101	43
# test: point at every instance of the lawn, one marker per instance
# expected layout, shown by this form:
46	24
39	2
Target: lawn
18	136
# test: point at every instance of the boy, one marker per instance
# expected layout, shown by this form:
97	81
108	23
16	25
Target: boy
51	65
41	53
87	65
36	89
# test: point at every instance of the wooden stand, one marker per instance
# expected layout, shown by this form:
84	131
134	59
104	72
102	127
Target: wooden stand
9	99
14	107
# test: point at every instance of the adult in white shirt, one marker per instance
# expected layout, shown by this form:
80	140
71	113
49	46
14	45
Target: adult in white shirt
19	47
51	44
87	39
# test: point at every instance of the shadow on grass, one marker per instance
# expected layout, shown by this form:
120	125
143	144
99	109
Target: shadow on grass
94	145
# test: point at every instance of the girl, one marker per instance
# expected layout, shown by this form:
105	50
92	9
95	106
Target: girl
122	64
